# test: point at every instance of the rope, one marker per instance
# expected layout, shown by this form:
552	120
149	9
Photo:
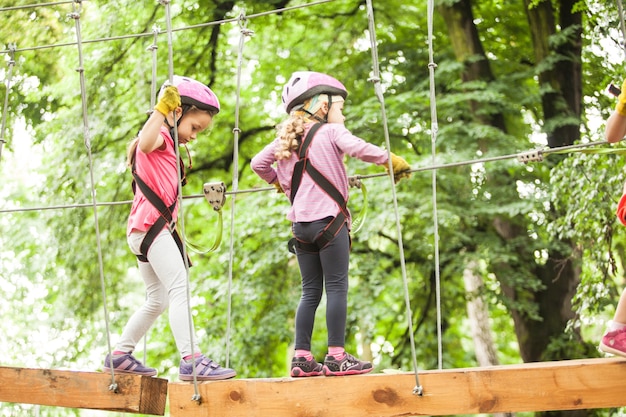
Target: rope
379	94
243	33
81	71
522	157
153	83
145	34
9	77
30	6
622	25
181	223
433	134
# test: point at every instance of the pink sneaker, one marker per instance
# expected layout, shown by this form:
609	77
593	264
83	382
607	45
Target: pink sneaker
614	342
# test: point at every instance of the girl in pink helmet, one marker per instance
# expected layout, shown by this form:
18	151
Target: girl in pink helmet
614	339
151	229
306	161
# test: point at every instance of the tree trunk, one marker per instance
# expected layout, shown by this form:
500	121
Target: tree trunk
561	106
478	314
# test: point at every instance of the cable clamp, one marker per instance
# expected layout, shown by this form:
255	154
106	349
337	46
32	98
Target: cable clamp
215	194
531	156
354	181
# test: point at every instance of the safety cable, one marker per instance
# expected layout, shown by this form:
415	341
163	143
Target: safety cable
76	10
622	25
9	78
181	222
434	129
525	157
31	6
379	94
153	87
244	32
198	26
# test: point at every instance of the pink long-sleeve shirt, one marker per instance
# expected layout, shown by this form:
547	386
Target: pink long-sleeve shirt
159	170
326	152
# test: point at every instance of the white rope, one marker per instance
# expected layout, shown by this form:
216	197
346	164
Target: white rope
379	94
244	32
181	222
622	25
433	136
145	34
5	109
30	6
87	138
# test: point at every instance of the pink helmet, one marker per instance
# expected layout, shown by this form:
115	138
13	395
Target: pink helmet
305	84
194	93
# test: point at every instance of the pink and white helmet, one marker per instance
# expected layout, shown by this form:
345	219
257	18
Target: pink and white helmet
305	84
194	93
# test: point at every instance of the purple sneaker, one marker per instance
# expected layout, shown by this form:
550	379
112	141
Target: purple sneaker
302	367
614	342
127	364
349	365
206	370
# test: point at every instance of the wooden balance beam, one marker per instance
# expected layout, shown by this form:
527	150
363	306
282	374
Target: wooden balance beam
75	389
543	386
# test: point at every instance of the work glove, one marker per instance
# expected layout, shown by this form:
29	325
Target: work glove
621	103
400	167
279	189
169	101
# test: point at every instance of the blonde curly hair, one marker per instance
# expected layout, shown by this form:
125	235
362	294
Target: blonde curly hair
291	130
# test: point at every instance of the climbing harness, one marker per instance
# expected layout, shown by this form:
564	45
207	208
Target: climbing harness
305	165
165	219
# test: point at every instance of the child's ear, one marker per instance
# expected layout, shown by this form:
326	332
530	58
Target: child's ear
325	107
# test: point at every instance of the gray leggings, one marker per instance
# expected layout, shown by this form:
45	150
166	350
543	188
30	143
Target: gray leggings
329	267
165	277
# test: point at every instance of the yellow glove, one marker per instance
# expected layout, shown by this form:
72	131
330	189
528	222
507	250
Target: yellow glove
621	104
400	167
169	101
279	189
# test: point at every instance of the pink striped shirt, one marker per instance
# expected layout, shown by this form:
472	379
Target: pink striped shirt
159	170
326	152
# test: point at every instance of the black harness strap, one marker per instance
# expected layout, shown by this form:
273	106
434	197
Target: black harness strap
164	220
302	165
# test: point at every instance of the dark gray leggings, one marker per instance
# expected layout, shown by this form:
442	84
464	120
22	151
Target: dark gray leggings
328	267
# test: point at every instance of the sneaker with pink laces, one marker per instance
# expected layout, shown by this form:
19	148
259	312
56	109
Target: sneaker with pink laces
614	342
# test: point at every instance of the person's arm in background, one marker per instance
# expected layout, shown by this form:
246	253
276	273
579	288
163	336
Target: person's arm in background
616	123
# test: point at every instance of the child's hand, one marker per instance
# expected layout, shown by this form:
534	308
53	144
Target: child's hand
169	101
400	168
621	104
279	189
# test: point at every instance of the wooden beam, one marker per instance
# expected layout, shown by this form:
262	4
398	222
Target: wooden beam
563	385
74	389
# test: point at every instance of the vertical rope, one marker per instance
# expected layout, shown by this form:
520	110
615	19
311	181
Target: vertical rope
181	222
9	77
622	26
379	94
153	88
243	33
76	9
434	128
